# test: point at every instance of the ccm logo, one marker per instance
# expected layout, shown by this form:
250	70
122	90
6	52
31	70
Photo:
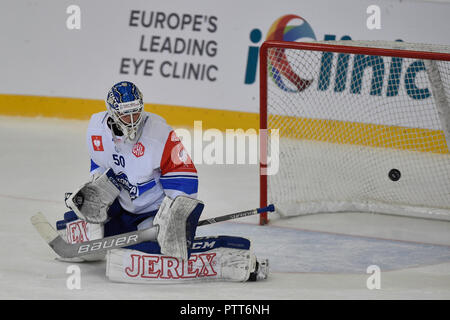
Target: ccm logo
106	244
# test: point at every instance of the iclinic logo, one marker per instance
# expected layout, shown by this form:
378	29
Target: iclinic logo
287	28
295	28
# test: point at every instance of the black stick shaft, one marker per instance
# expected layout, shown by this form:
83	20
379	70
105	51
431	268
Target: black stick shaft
236	215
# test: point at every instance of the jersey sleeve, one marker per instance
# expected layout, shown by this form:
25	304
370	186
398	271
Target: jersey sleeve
95	168
178	173
95	145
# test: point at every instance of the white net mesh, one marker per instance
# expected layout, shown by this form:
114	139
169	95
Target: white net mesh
359	132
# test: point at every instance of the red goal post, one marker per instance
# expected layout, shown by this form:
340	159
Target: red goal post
395	50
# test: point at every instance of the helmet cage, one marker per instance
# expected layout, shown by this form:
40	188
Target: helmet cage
123	113
124	117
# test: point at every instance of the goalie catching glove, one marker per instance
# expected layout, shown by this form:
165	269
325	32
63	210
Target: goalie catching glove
92	200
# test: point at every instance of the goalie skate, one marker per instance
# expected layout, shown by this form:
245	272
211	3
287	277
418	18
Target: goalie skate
261	270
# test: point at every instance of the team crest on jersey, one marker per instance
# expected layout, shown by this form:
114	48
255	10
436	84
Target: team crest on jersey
138	150
97	143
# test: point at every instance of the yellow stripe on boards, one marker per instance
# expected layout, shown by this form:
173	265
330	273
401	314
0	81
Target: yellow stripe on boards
36	106
341	132
75	108
211	118
372	135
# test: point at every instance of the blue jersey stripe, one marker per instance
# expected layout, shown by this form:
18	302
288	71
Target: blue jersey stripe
188	186
94	165
146	186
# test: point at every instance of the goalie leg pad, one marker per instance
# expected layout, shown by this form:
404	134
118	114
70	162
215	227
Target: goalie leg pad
220	258
177	220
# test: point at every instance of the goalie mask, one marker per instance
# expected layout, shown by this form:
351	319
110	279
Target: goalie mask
125	105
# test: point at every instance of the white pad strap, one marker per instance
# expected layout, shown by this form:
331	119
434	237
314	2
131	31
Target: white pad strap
92	200
172	219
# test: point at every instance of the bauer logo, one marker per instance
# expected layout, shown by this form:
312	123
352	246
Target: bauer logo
106	244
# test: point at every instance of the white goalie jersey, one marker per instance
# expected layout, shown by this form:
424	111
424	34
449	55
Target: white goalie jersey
153	166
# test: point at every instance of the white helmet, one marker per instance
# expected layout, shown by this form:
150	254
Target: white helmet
125	105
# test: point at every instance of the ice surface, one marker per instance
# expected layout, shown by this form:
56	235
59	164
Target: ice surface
312	257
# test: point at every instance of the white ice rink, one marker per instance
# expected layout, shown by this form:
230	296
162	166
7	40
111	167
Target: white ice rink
312	257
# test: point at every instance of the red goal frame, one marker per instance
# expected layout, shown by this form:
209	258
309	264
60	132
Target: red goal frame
311	46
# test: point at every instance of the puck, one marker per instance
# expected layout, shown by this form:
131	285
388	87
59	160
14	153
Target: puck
394	174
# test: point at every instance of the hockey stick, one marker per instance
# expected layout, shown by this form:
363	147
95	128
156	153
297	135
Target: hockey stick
237	215
67	250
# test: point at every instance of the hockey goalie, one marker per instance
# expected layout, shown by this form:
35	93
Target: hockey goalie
141	176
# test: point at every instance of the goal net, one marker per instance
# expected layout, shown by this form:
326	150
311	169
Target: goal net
355	126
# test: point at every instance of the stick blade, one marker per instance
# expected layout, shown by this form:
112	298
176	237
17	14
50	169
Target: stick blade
46	231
